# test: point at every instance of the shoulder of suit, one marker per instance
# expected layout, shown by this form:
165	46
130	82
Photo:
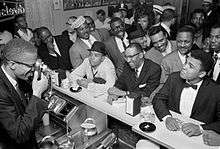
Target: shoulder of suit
152	64
171	55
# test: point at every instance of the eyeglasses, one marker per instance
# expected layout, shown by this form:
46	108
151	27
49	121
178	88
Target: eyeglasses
27	65
131	56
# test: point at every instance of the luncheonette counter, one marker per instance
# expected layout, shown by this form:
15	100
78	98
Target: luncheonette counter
161	135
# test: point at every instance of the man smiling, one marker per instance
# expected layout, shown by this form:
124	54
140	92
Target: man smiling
190	93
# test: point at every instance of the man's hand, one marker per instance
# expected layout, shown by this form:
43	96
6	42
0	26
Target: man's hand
116	91
191	129
112	98
83	82
172	124
39	86
211	138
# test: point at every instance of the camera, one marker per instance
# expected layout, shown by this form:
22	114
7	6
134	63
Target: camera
41	67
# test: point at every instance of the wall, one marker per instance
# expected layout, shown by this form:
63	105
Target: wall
42	13
193	4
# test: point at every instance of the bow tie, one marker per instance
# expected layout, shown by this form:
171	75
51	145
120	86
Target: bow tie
187	85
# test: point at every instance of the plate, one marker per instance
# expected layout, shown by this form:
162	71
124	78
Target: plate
147	127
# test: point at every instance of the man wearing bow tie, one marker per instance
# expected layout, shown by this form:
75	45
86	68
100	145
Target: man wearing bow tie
192	94
215	46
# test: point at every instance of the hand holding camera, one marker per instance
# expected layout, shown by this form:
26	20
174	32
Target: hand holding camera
39	86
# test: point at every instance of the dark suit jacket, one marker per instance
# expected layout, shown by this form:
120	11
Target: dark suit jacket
145	84
59	62
18	119
205	109
114	54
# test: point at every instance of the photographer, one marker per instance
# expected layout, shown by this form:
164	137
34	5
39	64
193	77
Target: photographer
20	115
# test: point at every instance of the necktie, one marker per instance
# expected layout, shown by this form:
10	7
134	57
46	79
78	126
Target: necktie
136	73
216	67
124	45
187	85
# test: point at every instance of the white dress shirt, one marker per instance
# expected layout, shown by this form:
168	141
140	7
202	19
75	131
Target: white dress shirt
182	58
105	70
187	99
168	49
89	42
216	68
25	36
120	44
139	69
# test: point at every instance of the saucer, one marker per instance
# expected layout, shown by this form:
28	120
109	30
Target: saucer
147	127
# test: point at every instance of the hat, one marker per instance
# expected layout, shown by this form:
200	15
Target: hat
71	20
136	34
122	6
207	1
78	22
5	37
157	8
98	47
169	7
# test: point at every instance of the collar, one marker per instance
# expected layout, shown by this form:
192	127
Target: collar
168	49
140	68
182	57
12	81
165	27
124	38
198	84
209	12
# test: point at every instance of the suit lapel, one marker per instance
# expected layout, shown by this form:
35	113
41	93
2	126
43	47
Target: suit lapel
82	44
15	96
200	97
178	61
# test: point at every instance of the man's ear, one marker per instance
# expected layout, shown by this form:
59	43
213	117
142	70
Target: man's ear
11	65
141	55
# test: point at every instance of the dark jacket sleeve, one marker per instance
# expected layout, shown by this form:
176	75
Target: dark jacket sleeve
216	124
20	126
161	100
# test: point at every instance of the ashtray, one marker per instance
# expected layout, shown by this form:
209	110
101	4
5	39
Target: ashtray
147	127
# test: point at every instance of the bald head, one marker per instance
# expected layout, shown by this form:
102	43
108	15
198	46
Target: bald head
18	49
45	35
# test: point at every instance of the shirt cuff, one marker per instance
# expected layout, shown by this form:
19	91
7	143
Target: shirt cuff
201	129
165	117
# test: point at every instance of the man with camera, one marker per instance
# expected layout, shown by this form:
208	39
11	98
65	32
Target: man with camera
19	115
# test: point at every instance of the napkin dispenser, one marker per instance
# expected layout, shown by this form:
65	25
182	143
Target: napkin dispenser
133	104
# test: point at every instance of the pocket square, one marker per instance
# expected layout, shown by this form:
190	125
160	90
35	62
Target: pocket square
142	85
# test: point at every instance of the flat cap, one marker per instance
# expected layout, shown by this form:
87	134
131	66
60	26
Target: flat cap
98	47
136	34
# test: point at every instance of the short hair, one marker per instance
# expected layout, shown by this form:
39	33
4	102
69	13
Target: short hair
19	16
115	19
188	29
137	46
197	11
168	15
100	11
217	25
155	29
207	62
88	17
16	48
145	11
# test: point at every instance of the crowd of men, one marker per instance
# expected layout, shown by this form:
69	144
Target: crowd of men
174	67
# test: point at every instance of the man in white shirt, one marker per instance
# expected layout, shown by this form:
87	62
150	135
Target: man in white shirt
79	51
168	18
98	69
174	61
22	30
192	94
116	44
